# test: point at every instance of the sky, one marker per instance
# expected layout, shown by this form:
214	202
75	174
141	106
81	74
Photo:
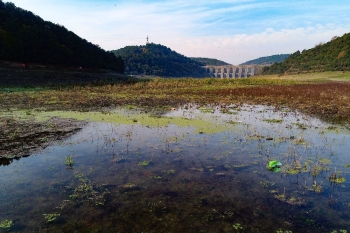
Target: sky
233	31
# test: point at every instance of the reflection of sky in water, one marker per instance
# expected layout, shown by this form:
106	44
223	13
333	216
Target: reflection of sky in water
232	162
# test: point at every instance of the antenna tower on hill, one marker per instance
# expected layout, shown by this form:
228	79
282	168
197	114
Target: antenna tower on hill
147	40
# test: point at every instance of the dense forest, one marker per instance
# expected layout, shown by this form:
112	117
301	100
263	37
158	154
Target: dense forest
26	38
331	56
209	61
155	59
269	60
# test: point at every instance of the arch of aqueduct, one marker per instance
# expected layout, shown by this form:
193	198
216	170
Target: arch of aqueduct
231	71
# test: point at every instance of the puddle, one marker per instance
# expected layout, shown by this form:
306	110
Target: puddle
192	169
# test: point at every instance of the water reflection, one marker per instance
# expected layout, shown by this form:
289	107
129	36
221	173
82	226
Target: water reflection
140	177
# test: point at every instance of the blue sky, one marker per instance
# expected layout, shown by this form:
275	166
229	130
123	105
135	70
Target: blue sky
230	30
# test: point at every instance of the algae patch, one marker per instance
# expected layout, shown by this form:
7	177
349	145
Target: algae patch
122	116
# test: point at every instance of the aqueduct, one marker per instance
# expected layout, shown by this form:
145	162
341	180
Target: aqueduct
231	71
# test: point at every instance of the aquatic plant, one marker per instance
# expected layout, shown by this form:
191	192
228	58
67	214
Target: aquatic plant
240	165
171	171
332	127
127	186
206	110
300	125
266	184
337	179
292	200
144	163
273	120
315	188
82	190
51	217
69	161
237	227
295	168
340	231
300	141
6	224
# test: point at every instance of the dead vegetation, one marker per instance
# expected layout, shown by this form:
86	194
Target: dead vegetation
327	100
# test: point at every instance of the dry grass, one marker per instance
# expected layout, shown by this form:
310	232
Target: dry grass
314	94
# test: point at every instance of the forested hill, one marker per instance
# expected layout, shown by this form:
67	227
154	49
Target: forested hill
209	61
26	38
156	59
331	56
268	60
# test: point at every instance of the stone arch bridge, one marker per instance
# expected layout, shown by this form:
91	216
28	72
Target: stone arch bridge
231	71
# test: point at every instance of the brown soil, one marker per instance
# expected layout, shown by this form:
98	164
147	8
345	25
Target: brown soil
22	138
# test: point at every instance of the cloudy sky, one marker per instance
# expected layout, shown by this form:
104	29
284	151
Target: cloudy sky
230	30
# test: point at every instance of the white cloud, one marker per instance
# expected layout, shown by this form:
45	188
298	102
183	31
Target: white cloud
230	30
243	47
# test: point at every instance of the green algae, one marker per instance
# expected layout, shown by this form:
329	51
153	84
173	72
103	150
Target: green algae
121	116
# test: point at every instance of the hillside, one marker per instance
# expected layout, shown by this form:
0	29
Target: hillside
155	59
209	61
331	56
269	60
26	38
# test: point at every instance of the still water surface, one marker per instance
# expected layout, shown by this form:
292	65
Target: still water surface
186	177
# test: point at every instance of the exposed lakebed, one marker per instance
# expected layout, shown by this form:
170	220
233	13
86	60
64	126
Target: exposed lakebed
189	169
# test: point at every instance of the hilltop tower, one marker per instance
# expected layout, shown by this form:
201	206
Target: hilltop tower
147	40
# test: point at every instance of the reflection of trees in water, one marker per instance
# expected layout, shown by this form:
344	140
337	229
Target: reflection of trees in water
5	161
8	161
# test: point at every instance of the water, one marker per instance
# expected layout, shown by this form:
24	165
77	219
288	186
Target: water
211	177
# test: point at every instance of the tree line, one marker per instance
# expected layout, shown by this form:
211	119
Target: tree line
331	56
158	60
26	38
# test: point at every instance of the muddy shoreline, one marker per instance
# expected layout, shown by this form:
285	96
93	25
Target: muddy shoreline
22	138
